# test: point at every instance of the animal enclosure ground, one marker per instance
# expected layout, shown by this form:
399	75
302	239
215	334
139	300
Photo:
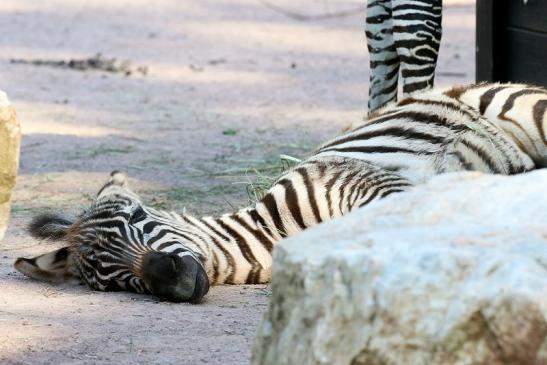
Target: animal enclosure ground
229	86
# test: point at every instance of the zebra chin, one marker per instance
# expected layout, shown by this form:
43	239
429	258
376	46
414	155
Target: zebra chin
173	278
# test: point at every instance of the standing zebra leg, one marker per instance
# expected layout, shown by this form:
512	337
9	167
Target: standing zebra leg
384	61
417	31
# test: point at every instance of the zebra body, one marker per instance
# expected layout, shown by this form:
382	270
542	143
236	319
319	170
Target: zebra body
237	247
517	109
402	36
120	244
429	134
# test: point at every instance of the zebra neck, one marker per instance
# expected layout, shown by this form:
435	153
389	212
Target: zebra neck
235	248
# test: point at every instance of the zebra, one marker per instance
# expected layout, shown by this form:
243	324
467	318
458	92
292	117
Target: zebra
118	243
405	35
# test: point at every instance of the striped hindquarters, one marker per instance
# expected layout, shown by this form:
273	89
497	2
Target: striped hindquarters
520	110
430	134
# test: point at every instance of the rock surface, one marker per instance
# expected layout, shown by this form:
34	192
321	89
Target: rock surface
454	272
10	139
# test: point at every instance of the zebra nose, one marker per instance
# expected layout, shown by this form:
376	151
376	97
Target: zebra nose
174	278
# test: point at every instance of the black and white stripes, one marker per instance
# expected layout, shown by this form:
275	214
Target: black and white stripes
487	127
403	36
519	110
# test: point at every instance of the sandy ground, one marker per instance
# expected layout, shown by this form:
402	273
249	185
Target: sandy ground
231	84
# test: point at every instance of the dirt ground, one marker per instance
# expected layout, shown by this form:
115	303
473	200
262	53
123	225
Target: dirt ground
230	85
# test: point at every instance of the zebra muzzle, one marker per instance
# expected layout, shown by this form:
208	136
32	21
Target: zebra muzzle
174	278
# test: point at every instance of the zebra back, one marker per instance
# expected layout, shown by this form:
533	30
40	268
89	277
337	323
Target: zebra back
519	110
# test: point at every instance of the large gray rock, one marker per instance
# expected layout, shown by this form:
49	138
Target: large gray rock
10	139
454	272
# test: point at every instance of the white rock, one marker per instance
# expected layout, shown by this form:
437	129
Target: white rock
454	272
10	139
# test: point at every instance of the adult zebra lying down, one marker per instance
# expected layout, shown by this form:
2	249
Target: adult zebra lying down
118	243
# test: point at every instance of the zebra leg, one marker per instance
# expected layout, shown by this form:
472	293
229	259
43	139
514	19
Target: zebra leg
55	266
417	31
384	62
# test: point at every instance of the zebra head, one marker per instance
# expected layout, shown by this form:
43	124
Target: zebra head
120	244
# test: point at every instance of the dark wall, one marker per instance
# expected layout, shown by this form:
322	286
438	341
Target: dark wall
512	41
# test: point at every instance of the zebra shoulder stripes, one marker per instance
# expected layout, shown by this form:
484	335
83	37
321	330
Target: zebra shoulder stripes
402	36
119	243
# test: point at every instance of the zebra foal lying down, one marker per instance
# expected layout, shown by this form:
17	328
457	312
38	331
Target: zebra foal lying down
118	243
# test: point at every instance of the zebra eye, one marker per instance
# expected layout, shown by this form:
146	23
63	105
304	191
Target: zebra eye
137	215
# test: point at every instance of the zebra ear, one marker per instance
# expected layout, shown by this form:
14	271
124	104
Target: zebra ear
50	226
56	266
116	185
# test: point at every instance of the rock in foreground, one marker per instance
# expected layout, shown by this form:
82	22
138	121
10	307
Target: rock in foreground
10	138
454	272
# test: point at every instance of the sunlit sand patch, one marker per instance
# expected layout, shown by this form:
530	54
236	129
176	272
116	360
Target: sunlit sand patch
74	182
18	336
50	127
17	5
204	73
28	323
66	189
459	2
465	21
286	37
283	116
60	119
